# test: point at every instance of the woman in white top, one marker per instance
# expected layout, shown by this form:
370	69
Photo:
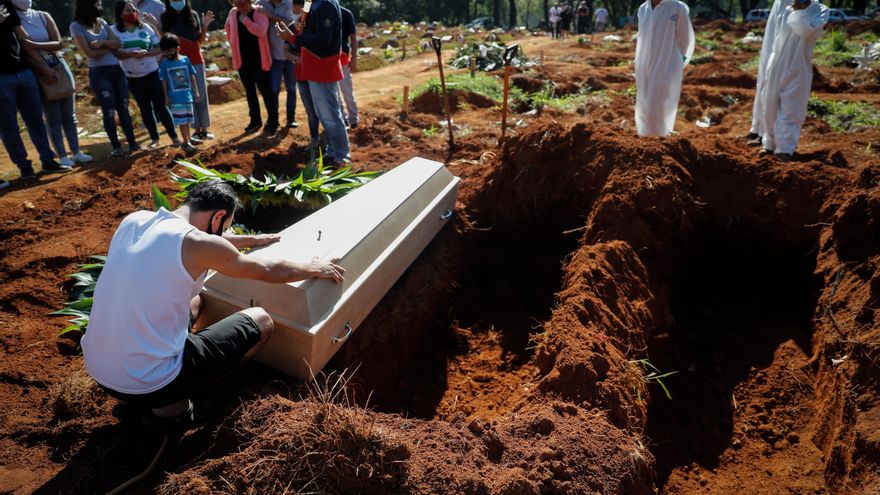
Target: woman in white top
92	34
61	114
137	47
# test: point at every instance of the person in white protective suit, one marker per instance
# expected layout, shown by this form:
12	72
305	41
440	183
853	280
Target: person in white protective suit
756	132
664	46
789	75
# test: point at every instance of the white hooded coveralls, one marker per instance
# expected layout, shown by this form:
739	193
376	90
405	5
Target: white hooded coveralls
664	46
776	17
789	75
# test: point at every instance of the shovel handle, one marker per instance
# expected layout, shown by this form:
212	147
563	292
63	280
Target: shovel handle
437	44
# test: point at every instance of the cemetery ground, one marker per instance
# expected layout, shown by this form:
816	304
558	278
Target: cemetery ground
605	313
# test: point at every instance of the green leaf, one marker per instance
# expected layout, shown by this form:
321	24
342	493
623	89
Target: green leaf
159	200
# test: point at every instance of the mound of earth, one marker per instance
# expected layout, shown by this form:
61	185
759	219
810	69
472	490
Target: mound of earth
432	103
492	367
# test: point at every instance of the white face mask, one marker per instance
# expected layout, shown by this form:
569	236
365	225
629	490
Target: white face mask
22	4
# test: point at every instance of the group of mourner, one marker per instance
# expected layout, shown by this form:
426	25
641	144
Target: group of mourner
665	45
153	51
140	345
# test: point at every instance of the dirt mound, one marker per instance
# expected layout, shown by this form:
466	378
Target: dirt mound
508	376
230	91
432	103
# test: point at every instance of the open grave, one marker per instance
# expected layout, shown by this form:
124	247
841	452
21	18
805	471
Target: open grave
510	358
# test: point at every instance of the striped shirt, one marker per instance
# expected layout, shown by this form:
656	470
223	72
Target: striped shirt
139	38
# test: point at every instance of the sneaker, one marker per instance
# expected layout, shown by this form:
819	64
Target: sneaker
66	162
292	124
134	147
28	176
195	415
4	184
117	152
270	131
153	144
205	135
353	125
195	139
765	152
188	147
253	127
54	167
80	157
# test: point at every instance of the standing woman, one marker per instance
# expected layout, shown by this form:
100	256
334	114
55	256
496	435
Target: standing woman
247	30
138	47
61	114
191	30
91	34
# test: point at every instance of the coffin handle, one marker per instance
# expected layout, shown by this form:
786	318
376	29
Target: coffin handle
345	337
446	214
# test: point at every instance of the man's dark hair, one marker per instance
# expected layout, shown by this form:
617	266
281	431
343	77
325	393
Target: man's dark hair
169	41
213	195
86	14
299	2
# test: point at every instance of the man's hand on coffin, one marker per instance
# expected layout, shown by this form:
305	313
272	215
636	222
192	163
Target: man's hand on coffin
327	269
251	241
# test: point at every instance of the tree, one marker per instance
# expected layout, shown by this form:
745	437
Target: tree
512	13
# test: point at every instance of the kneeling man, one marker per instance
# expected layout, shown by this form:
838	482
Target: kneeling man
138	345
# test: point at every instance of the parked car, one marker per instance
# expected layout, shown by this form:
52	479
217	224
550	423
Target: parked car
757	15
844	15
481	22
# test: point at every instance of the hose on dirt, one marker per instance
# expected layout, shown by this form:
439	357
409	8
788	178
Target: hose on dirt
144	474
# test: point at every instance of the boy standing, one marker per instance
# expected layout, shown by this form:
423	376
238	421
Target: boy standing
179	83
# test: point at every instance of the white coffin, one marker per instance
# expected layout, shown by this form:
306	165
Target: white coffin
377	231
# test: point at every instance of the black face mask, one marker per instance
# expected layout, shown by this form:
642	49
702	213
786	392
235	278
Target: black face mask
219	229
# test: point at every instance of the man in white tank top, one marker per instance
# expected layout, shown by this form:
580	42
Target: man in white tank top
138	345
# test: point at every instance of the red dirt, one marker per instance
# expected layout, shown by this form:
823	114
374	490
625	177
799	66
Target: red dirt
502	361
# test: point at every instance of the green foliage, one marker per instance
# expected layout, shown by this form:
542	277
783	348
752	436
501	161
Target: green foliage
751	65
834	49
159	200
708	41
650	374
702	59
567	103
844	116
79	307
489	55
486	85
312	188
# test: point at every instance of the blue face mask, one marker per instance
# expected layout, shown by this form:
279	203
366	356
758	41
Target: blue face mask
178	5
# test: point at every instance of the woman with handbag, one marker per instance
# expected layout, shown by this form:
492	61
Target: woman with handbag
58	96
137	46
91	34
191	30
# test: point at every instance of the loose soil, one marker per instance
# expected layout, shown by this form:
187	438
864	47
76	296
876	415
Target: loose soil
507	359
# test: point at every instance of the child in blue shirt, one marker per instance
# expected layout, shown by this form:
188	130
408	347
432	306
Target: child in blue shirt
179	83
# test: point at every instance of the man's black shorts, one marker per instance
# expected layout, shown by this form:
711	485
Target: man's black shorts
207	355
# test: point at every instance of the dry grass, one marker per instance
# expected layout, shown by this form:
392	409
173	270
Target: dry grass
76	395
324	444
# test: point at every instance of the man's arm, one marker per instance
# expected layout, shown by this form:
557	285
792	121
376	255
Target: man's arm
202	252
353	64
251	241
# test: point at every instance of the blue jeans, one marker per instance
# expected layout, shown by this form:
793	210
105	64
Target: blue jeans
325	97
284	69
19	92
306	95
200	109
61	114
111	88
